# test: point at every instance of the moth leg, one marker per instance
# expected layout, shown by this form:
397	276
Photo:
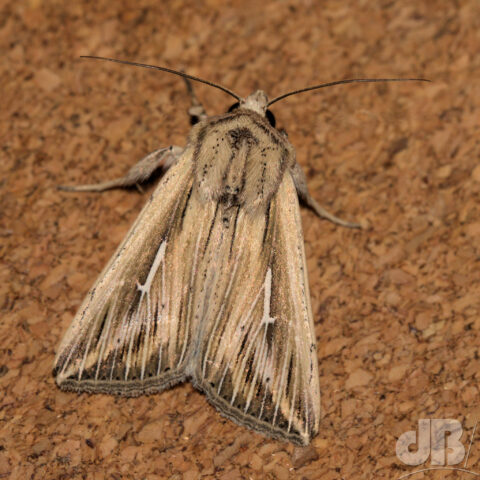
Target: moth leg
163	158
302	191
196	111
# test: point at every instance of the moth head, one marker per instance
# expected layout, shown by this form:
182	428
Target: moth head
257	102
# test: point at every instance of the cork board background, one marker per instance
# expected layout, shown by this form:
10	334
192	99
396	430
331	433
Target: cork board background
396	305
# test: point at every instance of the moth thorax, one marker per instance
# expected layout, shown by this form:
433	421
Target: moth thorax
241	141
239	161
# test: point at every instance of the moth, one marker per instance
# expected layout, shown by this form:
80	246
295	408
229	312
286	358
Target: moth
210	283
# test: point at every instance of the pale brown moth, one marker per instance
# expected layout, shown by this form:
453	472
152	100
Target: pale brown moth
210	284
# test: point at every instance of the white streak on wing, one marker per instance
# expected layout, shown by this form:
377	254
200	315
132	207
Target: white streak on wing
300	305
147	321
147	338
74	348
239	335
282	381
268	295
145	291
264	396
252	342
256	365
145	288
266	320
223	377
190	297
219	317
105	335
267	363
302	344
128	333
163	312
163	290
238	382
247	353
67	360
84	359
305	400
117	343
209	283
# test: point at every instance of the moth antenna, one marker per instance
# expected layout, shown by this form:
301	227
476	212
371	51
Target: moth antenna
165	69
340	82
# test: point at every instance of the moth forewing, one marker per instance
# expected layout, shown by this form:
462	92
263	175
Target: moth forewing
261	365
114	343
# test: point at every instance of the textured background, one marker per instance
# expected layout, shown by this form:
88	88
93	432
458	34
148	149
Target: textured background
396	306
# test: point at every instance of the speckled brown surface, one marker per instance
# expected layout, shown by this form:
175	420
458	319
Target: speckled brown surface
396	306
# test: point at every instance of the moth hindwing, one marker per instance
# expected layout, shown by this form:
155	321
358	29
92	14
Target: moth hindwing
210	283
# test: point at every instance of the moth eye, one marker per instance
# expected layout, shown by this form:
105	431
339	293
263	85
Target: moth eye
270	118
233	107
